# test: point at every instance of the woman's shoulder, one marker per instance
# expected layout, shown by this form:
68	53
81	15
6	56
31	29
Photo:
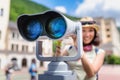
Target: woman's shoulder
98	50
101	51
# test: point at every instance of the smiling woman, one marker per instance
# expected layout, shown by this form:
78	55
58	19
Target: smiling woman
88	35
92	58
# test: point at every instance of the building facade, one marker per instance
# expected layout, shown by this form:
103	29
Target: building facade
13	48
109	34
4	19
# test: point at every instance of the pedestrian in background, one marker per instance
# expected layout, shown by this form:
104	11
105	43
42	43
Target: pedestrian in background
33	70
8	71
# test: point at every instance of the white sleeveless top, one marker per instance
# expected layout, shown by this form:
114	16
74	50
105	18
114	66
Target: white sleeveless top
77	65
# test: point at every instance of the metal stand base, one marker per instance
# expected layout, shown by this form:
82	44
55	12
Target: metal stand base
57	71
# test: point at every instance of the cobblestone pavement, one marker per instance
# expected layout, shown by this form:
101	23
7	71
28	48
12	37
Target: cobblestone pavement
107	72
19	75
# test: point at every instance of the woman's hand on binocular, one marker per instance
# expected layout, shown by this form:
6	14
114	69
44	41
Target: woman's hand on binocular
74	37
58	51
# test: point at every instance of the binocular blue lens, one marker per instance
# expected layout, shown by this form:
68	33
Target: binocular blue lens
56	28
34	30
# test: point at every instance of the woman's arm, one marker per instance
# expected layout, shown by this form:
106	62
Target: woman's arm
92	68
61	53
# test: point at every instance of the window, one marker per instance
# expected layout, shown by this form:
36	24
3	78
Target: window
107	29
108	36
1	12
13	35
25	48
41	64
14	47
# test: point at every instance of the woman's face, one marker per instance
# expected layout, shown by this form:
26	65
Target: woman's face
88	34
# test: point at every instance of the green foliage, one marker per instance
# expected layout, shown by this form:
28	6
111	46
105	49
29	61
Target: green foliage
112	59
72	18
19	7
118	28
56	43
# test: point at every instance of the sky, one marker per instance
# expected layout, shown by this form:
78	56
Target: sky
81	8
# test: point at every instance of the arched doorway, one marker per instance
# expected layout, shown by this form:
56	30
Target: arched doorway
41	64
24	62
